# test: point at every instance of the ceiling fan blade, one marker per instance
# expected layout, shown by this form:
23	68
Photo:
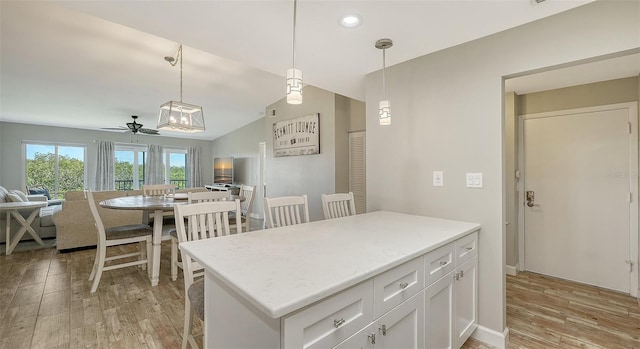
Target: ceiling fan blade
119	128
149	131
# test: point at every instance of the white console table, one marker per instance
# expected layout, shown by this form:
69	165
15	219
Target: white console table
376	280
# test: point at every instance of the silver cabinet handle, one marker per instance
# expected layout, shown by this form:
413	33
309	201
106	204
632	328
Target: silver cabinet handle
456	276
469	248
443	263
383	329
461	273
404	285
338	323
372	338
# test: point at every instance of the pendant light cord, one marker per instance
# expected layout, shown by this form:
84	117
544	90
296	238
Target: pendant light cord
384	84
295	7
180	58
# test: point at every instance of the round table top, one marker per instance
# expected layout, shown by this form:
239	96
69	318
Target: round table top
7	206
141	202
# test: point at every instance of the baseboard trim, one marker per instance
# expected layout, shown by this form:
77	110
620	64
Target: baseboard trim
491	337
512	269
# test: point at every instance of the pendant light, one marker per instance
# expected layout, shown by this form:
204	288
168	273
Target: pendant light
294	76
180	116
384	109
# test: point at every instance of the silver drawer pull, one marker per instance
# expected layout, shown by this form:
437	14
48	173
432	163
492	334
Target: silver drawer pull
404	285
461	273
469	248
443	263
338	323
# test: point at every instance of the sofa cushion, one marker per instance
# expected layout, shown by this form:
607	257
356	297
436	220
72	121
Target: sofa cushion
47	213
13	197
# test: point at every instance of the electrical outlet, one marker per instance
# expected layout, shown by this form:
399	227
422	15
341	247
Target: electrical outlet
438	179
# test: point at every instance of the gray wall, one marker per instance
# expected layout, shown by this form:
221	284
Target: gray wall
13	134
582	96
243	145
448	112
308	174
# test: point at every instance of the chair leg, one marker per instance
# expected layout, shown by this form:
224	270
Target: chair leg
95	264
174	260
143	253
188	322
101	255
149	252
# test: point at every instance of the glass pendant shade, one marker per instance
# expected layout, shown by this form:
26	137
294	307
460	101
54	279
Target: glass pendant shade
182	117
385	113
294	86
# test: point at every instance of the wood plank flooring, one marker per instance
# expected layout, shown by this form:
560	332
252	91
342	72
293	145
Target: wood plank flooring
546	312
45	303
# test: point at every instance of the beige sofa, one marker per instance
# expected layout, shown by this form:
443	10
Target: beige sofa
75	225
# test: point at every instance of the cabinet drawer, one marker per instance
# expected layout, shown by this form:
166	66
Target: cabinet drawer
438	263
329	322
397	285
466	248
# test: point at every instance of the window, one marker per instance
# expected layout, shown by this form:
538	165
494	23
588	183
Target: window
59	167
129	167
131	161
176	166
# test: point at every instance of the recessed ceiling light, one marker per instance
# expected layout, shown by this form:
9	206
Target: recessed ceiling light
350	21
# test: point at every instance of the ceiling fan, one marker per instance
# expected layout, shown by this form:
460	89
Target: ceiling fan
134	127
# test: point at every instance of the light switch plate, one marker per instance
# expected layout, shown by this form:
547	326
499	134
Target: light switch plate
474	180
438	179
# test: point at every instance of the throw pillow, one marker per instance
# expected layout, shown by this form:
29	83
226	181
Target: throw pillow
22	195
40	190
14	197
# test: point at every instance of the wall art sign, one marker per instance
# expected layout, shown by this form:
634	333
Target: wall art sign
299	136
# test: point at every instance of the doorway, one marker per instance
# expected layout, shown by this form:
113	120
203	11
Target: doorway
579	195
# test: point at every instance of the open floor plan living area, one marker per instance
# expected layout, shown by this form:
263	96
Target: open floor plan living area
284	174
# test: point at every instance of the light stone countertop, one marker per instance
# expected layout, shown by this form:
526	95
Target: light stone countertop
284	269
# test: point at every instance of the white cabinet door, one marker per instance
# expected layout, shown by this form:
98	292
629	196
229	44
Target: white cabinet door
466	298
403	327
439	317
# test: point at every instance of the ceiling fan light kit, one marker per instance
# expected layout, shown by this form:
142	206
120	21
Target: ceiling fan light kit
180	116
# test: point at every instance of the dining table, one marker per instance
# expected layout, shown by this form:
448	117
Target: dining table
157	206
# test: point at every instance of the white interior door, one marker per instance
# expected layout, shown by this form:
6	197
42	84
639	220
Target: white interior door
581	168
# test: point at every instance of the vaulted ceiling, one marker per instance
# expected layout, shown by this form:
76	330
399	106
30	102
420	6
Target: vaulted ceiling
93	64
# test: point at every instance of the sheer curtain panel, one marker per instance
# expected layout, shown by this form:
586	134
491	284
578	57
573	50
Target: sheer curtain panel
194	170
154	168
105	170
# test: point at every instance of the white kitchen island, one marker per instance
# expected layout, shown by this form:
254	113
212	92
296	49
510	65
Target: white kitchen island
374	280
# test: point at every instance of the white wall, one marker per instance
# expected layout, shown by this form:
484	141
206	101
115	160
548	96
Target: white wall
448	115
12	135
307	174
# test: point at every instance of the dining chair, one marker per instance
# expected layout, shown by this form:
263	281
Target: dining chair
117	236
286	210
246	191
199	221
157	189
338	205
192	197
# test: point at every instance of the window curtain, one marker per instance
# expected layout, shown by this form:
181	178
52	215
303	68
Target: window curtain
154	169
194	170
105	169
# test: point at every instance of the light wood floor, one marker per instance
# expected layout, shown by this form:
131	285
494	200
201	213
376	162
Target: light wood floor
545	312
45	303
